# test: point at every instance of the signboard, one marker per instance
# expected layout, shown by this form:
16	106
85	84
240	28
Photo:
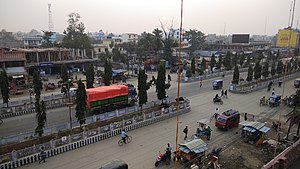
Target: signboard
240	38
46	64
283	38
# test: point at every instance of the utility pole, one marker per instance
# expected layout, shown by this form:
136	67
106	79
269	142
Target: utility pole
178	87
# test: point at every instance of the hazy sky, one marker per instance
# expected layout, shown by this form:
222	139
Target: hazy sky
137	16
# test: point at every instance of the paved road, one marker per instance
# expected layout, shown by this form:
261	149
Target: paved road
148	141
26	123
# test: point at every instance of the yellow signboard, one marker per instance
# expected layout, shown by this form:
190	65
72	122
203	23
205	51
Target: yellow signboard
283	38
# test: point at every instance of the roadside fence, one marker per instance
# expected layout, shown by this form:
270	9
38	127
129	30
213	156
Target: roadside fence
67	143
246	87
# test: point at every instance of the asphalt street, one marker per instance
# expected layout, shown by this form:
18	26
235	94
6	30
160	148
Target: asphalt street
148	141
26	123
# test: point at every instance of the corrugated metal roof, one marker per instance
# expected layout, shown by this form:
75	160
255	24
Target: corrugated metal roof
196	145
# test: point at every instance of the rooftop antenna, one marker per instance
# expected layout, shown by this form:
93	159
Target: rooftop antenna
224	31
50	23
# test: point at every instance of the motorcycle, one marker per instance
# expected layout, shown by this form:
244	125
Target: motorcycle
214	153
218	100
160	158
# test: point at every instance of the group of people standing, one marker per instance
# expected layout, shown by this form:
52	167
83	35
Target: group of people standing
224	94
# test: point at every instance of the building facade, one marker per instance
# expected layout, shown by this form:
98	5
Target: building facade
130	37
14	63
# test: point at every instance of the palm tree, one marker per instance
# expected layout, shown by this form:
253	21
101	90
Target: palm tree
157	40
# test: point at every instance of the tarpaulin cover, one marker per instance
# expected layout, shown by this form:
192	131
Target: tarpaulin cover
105	92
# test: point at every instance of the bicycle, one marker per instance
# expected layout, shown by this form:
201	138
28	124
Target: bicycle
128	140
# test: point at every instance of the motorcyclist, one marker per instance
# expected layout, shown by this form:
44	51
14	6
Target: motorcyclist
217	98
123	135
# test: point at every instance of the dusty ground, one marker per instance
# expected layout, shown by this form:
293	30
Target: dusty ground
247	156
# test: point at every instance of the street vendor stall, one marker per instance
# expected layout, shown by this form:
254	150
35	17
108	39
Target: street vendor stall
253	131
192	151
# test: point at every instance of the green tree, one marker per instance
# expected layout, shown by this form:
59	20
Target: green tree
273	69
219	63
248	61
193	66
250	74
130	47
80	102
265	71
236	75
38	85
242	60
40	107
47	39
197	39
4	87
203	64
41	119
234	60
116	54
189	72
212	62
257	71
75	36
227	61
157	40
64	73
161	85
168	43
145	44
90	76
143	86
279	68
107	72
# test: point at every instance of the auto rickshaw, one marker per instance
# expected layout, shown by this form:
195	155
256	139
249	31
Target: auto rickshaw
200	131
217	84
297	83
191	151
253	131
274	100
227	119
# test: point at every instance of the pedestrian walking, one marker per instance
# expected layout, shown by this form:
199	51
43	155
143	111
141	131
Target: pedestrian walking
42	155
185	131
168	157
216	113
208	131
222	93
245	117
225	93
200	83
273	91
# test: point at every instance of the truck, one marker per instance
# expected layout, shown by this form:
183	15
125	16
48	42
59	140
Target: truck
108	98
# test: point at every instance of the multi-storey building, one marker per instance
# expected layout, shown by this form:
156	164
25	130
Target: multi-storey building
49	60
32	42
14	63
130	37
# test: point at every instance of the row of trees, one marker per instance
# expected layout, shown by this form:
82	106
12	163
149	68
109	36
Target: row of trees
263	70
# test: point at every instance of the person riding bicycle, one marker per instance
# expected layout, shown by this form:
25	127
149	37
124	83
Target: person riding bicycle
123	135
